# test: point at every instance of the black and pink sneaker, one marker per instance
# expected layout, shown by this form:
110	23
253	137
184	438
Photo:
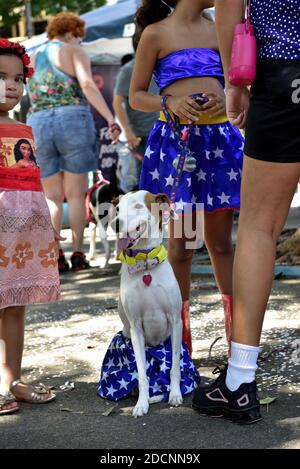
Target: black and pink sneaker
240	406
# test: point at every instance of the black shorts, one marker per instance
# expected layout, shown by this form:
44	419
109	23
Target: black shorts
273	121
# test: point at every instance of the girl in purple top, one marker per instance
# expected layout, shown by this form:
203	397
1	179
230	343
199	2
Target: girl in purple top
179	45
271	171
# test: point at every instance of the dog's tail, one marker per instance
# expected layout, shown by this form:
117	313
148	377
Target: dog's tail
156	399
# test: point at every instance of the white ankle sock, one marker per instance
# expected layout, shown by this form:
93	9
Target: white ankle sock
241	365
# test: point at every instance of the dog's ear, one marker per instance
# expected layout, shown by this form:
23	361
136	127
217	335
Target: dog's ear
163	199
115	201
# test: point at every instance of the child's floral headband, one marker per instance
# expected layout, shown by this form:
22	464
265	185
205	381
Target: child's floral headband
21	52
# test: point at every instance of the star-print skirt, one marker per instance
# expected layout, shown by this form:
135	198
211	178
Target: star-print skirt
215	183
119	377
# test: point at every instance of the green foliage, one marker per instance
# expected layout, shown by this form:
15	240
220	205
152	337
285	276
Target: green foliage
9	17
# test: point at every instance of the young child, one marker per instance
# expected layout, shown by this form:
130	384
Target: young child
28	260
179	46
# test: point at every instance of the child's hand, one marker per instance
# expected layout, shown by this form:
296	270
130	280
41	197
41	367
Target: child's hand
216	106
184	107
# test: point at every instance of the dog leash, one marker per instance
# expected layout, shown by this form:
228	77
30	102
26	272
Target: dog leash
183	141
100	180
136	154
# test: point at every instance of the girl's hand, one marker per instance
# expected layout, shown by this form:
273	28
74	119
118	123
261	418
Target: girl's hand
216	106
184	107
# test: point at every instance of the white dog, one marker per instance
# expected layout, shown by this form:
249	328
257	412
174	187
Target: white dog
150	300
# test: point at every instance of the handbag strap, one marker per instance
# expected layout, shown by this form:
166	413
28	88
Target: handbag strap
247	12
182	138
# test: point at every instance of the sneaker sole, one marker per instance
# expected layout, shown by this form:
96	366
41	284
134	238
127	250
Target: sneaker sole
242	418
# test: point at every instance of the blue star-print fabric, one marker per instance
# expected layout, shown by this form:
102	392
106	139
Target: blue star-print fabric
216	181
119	376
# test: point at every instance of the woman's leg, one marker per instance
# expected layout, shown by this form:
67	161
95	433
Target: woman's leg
75	187
267	191
54	192
218	240
266	195
217	237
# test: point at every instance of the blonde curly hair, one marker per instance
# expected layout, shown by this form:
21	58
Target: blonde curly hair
66	22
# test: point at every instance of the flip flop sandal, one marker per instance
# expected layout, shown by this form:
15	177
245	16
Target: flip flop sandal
36	397
7	399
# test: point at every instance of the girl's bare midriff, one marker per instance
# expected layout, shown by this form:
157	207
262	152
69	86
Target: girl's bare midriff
188	86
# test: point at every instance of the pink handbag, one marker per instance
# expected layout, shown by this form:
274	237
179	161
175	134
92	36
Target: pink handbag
242	68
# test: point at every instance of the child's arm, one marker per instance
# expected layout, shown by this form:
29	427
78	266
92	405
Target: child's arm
145	59
139	97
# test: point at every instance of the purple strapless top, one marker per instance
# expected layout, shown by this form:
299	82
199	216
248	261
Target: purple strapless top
188	63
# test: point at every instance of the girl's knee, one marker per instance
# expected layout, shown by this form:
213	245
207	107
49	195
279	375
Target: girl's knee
179	252
219	247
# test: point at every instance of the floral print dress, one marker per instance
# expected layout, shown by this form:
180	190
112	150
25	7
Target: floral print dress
28	259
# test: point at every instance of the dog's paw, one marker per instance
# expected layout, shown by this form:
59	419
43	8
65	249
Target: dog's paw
175	398
140	409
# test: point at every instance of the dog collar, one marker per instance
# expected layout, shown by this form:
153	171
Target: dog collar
143	261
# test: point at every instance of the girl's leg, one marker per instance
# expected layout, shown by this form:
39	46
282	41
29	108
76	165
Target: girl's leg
217	236
180	258
12	335
3	388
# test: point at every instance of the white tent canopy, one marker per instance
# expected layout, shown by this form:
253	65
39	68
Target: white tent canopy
110	21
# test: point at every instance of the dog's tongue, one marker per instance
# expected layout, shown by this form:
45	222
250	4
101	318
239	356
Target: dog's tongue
124	243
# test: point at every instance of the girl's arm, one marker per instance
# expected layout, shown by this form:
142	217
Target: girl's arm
228	14
82	68
145	59
139	97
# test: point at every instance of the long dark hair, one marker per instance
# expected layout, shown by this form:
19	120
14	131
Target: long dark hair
17	151
152	11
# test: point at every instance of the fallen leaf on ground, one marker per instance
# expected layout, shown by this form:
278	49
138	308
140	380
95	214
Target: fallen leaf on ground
267	400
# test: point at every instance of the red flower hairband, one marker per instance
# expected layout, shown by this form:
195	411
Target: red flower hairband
6	44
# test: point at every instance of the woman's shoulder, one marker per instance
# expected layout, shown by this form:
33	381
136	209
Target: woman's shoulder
72	49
